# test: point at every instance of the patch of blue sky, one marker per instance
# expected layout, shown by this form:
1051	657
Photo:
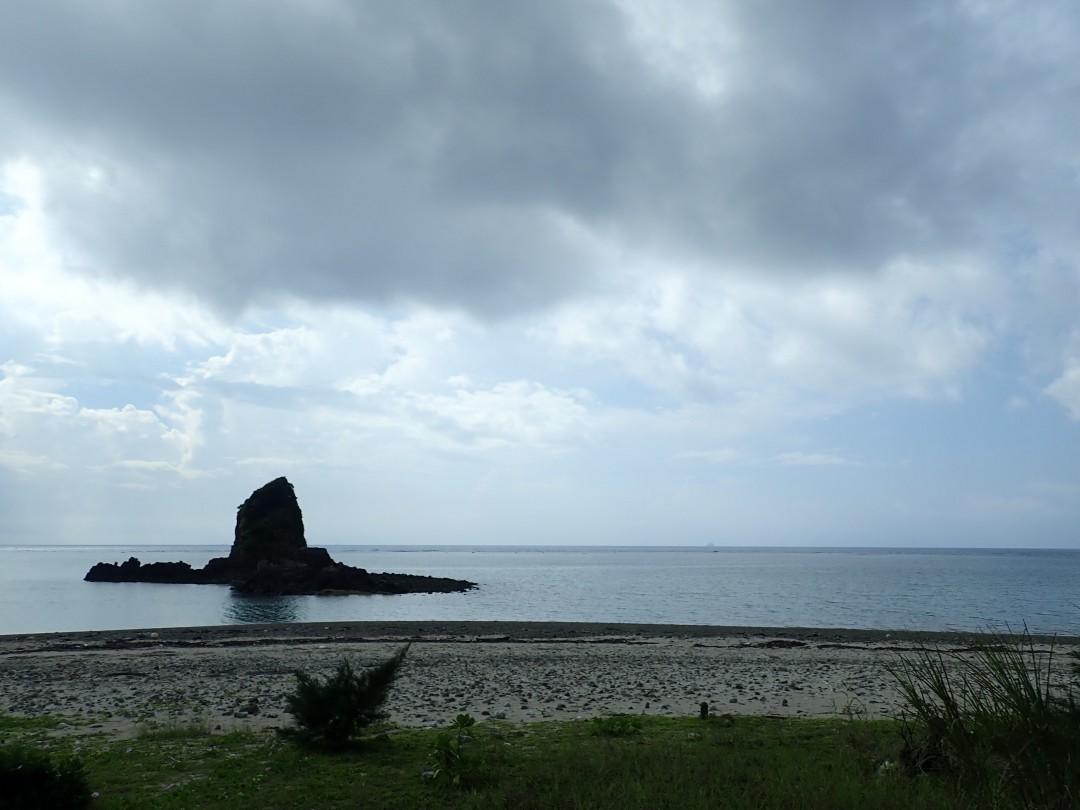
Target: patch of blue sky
979	438
10	205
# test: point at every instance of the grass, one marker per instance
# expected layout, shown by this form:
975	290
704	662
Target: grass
1001	720
21	725
650	763
997	728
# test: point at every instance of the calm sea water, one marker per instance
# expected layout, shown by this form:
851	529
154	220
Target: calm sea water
41	588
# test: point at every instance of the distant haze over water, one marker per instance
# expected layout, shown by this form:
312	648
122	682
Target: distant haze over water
41	588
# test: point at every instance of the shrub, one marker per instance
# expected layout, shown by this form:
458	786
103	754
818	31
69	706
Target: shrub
332	712
31	778
999	718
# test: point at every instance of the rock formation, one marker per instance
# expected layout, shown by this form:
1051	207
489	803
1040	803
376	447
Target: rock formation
269	526
271	557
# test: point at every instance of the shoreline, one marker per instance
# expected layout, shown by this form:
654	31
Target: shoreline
255	633
236	677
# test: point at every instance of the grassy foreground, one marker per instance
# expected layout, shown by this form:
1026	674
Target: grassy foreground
616	762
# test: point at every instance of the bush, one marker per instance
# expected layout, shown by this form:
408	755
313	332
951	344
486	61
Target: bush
332	712
31	778
998	718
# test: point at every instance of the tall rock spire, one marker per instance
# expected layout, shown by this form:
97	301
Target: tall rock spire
269	526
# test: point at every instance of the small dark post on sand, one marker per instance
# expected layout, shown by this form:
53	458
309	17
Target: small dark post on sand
704	711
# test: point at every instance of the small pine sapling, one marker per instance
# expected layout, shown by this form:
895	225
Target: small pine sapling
333	712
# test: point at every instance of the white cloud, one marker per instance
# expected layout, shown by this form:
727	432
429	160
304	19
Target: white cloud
694	42
42	427
45	294
800	459
1066	389
23	462
512	414
505	253
722	456
279	358
912	331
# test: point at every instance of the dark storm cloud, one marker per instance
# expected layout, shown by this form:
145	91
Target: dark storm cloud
438	151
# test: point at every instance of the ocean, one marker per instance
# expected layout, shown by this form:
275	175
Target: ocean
41	588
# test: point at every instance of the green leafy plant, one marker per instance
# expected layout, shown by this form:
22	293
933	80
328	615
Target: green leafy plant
999	717
618	725
31	778
334	711
446	764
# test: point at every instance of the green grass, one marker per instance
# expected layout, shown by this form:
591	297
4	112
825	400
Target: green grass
20	725
650	763
1001	720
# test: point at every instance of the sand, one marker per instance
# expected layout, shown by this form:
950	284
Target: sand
236	677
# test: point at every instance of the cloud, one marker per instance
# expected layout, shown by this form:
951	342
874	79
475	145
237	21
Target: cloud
915	331
722	456
509	256
800	459
45	295
711	198
43	428
1066	389
337	151
23	462
513	413
492	157
795	458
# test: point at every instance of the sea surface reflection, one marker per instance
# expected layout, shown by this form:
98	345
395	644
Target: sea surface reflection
262	609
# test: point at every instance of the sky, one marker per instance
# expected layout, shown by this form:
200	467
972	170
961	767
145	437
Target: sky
579	272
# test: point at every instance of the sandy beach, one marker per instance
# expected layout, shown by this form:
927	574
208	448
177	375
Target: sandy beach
237	677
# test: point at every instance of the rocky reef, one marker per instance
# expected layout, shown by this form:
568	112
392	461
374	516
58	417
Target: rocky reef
270	557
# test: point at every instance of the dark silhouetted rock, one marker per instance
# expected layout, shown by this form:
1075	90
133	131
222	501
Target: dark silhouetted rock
175	573
336	578
271	557
315	557
269	526
135	571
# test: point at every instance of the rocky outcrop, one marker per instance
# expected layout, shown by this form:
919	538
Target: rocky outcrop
336	578
167	572
269	526
270	556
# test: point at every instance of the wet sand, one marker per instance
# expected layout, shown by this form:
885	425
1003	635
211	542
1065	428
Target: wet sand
237	677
